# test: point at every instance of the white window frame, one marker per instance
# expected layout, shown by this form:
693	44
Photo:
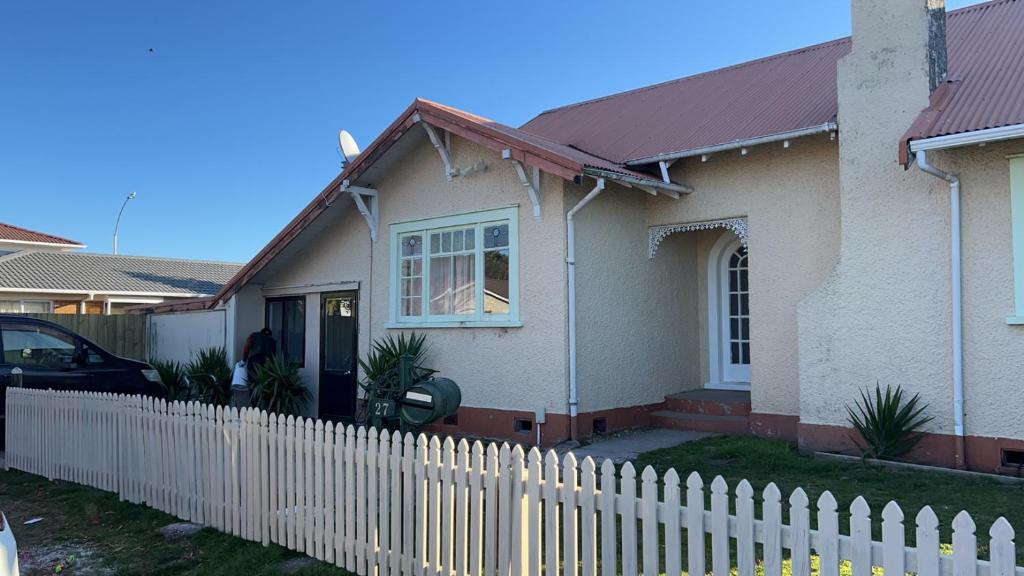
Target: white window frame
22	301
1017	226
479	319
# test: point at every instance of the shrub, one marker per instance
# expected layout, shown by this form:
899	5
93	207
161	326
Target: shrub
379	365
277	387
888	426
172	379
210	376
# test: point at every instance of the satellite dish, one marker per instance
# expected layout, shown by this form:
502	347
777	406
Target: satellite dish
349	148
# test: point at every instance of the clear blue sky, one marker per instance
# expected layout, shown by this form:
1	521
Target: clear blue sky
229	126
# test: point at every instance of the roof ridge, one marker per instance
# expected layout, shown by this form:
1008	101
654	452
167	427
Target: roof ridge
47	234
769	58
126	256
701	74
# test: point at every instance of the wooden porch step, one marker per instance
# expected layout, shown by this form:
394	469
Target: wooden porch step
712	402
722	424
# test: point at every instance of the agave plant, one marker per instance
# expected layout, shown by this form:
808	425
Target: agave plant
172	379
889	426
276	386
210	376
382	360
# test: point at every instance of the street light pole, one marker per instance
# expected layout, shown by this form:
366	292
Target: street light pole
131	196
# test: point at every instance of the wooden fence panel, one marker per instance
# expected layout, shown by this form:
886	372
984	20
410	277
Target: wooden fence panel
383	504
123	334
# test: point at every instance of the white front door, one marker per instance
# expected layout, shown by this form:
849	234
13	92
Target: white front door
729	315
735	316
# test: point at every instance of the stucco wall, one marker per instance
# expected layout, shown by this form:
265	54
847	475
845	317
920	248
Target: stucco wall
637	318
178	336
504	368
993	350
883	314
790	199
332	257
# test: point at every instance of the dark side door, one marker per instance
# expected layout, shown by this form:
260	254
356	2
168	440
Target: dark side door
339	353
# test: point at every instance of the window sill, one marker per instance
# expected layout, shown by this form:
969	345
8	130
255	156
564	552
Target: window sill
466	324
1015	320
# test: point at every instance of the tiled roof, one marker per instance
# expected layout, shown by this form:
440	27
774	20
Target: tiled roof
19	234
75	271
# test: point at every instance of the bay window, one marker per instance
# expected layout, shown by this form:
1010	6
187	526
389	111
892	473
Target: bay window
458	270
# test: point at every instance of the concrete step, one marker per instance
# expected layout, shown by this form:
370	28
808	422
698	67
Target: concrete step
711	402
721	424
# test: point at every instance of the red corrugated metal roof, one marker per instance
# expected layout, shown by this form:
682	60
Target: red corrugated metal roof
19	234
794	91
985	84
782	93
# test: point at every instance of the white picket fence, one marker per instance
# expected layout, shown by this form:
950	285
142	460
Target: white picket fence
377	503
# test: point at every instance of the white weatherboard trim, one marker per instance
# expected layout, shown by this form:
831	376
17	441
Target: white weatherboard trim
725	245
969	138
479	319
1017	219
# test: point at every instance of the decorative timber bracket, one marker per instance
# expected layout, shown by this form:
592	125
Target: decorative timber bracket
442	147
532	185
367	202
658	233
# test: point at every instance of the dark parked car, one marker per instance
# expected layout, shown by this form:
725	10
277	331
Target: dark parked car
41	354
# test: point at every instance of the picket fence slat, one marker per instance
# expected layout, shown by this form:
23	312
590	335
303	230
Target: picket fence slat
377	502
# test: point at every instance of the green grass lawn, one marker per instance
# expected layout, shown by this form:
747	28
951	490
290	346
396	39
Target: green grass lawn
88	531
763	461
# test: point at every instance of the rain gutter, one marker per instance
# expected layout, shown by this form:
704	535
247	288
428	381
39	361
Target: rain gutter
737	144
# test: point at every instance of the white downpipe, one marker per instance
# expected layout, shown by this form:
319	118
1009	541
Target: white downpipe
570	232
955	262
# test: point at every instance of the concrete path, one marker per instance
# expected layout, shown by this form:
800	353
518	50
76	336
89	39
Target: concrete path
629	445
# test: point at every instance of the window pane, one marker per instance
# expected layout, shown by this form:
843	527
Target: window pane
412	267
496	236
496	291
294	337
735	353
446	242
286	319
35	306
470	238
10	306
435	243
411	306
441	285
26	345
457	241
464	284
412	245
412	287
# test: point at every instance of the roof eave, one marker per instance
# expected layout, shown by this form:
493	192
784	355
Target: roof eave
829	126
972	138
659	185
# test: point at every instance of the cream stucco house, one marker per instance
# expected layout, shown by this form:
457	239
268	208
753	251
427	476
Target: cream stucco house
742	250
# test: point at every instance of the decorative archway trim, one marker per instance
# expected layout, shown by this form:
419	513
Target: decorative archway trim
659	233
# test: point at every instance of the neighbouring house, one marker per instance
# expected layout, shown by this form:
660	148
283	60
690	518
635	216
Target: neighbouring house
743	250
41	273
14	238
